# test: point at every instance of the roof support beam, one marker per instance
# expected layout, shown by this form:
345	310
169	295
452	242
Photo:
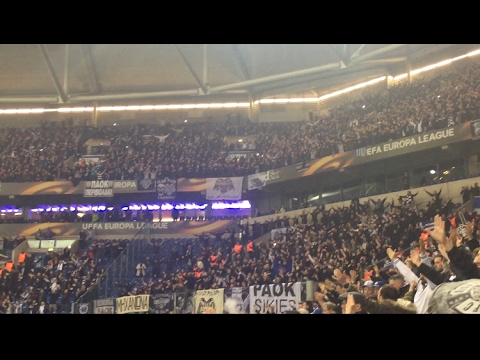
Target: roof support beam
90	69
32	100
81	98
56	81
66	67
240	62
194	74
357	52
205	64
273	78
341	56
381	51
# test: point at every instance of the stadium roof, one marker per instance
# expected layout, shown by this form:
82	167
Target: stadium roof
110	74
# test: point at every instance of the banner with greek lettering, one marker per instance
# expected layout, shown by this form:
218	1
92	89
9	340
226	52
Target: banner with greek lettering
101	188
212	298
282	297
161	303
239	297
166	188
83	308
133	304
257	181
229	188
104	306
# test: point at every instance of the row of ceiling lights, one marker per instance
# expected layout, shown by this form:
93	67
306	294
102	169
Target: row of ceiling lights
242	104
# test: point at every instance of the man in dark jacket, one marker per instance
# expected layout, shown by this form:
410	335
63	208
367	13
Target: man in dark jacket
439	274
458	256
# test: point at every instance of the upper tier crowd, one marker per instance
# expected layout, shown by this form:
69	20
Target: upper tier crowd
200	150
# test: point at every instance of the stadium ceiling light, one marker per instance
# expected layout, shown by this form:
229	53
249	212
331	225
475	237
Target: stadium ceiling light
437	65
238	105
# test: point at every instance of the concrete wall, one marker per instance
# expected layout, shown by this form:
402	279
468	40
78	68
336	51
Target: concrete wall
450	190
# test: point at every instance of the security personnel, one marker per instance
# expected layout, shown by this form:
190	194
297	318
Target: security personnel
9	265
250	249
237	249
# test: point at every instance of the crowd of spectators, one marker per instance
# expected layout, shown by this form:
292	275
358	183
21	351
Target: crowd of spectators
386	256
354	250
37	154
49	283
199	149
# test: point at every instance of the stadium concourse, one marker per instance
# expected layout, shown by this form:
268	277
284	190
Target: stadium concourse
386	255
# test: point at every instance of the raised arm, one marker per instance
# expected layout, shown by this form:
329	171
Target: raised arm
429	193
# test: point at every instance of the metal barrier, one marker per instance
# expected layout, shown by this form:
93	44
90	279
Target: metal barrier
121	267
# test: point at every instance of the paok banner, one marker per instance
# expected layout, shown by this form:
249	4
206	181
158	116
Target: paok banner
83	308
146	184
257	181
166	188
212	298
101	188
161	303
185	303
283	297
132	304
104	306
229	188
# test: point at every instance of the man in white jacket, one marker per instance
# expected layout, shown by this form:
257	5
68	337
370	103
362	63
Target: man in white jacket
424	290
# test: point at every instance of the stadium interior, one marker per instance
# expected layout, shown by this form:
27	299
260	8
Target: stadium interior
239	179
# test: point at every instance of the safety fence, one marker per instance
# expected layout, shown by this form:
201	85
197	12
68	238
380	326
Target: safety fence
255	299
121	267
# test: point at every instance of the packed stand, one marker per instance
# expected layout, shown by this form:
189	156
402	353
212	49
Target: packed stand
49	283
199	150
390	261
174	265
37	154
383	257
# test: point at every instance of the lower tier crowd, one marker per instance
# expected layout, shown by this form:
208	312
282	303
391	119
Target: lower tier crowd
366	258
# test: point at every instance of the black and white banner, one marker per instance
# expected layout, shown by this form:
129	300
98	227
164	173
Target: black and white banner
229	188
302	166
240	297
185	303
132	304
212	298
257	181
83	308
282	297
475	124
166	188
145	184
100	188
104	306
161	304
